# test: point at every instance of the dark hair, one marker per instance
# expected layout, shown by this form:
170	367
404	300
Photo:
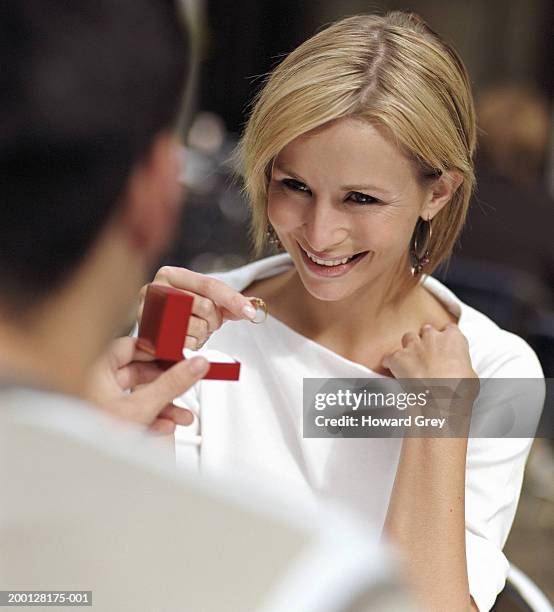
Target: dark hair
85	87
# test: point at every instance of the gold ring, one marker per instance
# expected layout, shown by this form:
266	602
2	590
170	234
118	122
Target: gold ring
259	304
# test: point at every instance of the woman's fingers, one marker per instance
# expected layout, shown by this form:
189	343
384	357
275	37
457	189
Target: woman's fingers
193	343
206	286
199	327
206	310
427	331
408	338
432	354
214	302
198	332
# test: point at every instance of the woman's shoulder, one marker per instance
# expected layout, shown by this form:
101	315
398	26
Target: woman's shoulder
495	352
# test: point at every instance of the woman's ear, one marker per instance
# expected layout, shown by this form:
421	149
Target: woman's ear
441	192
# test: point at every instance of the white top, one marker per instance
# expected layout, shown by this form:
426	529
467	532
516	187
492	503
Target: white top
89	504
255	424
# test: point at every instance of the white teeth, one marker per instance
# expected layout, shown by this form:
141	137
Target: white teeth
328	262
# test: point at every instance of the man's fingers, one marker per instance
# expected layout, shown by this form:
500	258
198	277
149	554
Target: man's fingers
180	416
142	296
212	288
151	399
124	351
137	373
162	427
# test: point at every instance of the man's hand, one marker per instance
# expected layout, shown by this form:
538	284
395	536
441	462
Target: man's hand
126	383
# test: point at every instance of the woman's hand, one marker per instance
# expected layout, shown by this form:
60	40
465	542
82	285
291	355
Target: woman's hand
128	385
214	302
426	514
432	354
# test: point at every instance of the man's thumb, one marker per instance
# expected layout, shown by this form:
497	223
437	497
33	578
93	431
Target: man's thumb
153	397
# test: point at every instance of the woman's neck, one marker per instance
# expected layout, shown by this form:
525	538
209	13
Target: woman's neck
364	312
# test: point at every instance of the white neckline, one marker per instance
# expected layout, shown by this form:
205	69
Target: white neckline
329	352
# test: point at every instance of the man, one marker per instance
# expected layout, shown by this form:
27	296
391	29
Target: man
89	92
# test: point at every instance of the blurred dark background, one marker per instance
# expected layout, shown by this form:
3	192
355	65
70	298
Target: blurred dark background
500	40
504	263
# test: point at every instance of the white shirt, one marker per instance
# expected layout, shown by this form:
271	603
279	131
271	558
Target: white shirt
255	425
88	504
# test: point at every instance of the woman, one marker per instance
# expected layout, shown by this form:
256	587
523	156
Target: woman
357	160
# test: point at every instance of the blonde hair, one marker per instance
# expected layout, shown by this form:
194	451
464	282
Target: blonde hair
392	71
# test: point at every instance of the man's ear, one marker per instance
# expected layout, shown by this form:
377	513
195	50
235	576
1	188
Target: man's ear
153	198
441	192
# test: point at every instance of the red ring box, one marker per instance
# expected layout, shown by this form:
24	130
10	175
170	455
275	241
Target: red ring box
163	329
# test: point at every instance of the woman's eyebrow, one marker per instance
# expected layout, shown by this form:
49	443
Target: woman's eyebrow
285	170
363	188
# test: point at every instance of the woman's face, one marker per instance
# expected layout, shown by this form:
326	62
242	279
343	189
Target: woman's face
344	201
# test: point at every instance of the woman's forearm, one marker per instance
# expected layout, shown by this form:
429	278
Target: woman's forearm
426	520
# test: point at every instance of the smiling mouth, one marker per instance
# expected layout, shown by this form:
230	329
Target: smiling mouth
332	263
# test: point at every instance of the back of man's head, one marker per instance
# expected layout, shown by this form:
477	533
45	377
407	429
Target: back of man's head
85	87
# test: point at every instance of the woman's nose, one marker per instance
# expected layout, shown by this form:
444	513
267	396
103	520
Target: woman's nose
324	227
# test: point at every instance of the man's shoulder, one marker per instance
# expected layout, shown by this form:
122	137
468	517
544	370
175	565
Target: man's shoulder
124	525
81	512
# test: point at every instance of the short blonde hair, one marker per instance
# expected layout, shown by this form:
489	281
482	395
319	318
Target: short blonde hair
392	71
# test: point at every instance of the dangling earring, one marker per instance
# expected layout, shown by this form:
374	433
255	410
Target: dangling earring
272	238
419	250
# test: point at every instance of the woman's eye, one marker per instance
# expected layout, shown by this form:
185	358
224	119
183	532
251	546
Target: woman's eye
295	185
362	198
